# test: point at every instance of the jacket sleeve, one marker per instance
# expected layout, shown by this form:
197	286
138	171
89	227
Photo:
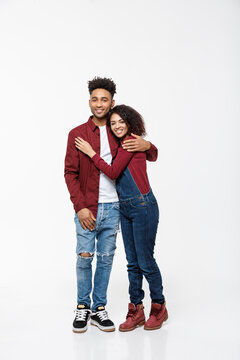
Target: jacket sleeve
119	164
71	173
152	153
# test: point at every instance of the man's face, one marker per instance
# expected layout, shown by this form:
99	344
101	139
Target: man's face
100	103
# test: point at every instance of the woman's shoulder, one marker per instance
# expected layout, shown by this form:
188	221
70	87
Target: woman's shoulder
129	137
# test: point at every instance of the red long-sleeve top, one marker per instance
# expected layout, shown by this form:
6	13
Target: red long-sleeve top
135	161
81	175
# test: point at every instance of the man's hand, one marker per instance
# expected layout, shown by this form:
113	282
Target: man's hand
137	144
86	219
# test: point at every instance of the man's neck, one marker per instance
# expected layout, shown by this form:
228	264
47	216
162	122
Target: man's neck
99	122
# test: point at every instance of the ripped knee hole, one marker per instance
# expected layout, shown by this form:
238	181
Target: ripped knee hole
85	254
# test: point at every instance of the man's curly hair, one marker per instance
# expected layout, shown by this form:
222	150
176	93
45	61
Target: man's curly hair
131	117
102	83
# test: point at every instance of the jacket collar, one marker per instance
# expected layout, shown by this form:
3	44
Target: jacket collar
91	123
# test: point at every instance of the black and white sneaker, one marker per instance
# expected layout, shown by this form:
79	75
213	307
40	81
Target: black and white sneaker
100	319
80	323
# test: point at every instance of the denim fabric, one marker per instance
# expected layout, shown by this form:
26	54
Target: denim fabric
139	221
102	240
126	186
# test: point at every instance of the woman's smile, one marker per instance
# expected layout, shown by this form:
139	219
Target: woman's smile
118	126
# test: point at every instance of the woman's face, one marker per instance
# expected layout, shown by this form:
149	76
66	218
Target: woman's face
118	126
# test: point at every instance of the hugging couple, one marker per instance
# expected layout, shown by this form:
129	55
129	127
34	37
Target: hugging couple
105	172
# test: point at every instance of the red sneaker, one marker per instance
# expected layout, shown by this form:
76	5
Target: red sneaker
135	317
158	315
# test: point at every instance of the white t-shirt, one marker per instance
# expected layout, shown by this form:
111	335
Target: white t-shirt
107	187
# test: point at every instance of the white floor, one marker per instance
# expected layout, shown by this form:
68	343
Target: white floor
202	294
201	331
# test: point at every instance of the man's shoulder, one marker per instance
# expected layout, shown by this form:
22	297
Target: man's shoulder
78	129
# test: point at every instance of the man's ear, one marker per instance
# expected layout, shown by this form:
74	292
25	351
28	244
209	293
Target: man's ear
113	103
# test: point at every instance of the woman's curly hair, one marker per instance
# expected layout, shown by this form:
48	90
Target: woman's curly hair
102	83
131	117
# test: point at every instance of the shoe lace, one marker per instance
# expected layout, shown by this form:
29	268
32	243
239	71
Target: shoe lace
103	315
81	314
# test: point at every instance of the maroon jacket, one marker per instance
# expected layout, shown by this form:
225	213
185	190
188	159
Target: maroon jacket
136	163
81	175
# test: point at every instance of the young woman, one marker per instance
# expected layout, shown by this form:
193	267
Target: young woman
139	216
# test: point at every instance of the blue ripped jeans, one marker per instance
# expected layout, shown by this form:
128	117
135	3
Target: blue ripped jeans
103	241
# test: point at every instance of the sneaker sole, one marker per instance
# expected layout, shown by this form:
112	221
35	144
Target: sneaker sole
156	327
79	331
95	323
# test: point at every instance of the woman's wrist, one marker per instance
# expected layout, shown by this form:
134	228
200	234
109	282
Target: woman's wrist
91	153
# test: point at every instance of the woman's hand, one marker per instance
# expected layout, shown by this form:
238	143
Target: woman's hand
84	146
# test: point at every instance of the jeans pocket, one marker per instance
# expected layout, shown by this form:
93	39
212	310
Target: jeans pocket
155	210
138	203
76	219
116	205
153	200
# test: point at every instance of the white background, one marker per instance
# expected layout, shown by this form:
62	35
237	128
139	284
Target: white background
176	62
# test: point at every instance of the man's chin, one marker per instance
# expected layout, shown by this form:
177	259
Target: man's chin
100	117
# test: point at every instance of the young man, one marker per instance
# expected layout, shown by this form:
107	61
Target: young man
96	205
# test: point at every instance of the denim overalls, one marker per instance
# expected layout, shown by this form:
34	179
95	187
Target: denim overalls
139	216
